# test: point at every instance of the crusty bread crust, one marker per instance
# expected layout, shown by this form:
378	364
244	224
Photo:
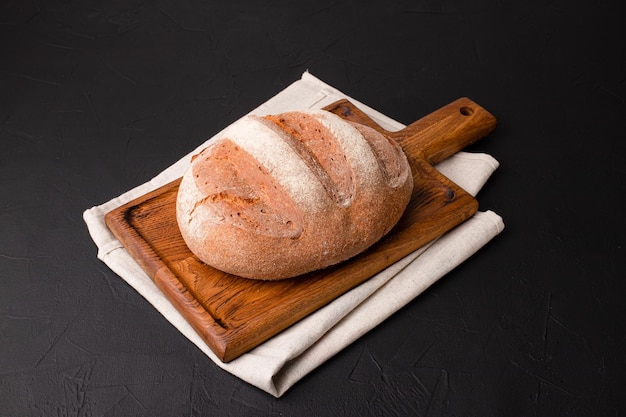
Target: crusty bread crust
279	196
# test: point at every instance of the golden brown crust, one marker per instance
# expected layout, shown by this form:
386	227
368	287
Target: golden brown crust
283	195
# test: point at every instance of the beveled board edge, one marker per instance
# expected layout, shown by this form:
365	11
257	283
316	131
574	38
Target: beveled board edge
143	253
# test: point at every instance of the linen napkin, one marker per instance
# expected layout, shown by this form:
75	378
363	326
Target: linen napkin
279	363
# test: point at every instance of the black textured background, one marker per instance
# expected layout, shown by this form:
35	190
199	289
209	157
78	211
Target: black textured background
97	97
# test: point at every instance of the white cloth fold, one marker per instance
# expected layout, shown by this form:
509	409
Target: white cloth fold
280	362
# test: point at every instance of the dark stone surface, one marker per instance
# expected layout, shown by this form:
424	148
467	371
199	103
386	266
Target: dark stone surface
98	97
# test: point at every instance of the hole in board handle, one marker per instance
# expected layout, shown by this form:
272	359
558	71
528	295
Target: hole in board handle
466	111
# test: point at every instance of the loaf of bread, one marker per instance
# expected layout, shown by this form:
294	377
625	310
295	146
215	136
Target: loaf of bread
279	196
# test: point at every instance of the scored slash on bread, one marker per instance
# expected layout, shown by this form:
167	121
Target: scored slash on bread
241	191
318	148
282	195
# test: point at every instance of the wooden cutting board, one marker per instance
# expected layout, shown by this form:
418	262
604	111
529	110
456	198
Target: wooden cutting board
234	314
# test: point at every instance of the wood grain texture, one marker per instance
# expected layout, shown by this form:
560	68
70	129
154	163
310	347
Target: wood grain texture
234	314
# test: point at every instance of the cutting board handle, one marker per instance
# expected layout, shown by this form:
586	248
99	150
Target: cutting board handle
446	131
436	136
